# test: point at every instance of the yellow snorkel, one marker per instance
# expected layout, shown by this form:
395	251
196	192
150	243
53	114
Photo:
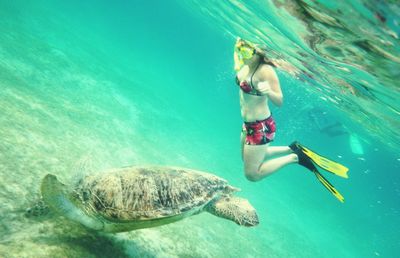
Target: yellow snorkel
243	51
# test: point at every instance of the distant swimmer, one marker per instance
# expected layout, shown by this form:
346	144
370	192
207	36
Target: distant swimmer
326	123
259	84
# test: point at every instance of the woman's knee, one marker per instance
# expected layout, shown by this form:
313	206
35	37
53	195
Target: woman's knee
252	176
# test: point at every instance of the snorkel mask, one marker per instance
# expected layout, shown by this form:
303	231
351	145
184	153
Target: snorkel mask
244	50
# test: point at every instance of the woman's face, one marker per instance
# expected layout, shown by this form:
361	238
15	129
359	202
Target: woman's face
244	50
244	53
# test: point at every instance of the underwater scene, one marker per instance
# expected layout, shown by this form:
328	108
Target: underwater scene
89	86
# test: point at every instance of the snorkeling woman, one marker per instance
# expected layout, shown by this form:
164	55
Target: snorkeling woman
259	85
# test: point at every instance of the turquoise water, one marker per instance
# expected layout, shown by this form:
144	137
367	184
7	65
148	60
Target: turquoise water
151	82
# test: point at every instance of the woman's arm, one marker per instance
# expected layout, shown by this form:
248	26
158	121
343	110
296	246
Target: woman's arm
270	86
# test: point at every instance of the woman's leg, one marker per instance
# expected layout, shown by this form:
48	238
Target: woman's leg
277	150
255	165
242	139
270	150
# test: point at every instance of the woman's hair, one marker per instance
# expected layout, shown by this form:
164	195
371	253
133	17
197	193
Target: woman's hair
267	56
262	53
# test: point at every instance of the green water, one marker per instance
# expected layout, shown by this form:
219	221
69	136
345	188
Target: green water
139	82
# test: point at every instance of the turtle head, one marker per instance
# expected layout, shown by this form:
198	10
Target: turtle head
230	189
237	209
56	195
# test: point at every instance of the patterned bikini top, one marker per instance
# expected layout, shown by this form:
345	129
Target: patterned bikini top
247	87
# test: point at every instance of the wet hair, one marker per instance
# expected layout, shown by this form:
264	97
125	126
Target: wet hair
260	51
264	59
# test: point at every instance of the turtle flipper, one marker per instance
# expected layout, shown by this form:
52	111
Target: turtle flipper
237	209
55	195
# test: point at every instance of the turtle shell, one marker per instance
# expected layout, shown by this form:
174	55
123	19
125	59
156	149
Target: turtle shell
142	193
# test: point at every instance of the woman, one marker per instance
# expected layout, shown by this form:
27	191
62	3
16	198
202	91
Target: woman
259	85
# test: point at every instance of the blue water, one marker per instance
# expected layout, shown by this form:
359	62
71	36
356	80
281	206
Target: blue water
151	82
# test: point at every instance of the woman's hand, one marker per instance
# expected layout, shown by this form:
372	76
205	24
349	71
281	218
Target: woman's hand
264	88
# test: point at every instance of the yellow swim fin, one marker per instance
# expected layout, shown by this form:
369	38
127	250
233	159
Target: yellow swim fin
324	163
309	159
328	185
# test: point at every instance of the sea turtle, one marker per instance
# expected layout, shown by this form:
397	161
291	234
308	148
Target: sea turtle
138	197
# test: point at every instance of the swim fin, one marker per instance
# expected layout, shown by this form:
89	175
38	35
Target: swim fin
306	161
328	185
322	162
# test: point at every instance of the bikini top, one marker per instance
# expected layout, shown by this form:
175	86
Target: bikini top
247	87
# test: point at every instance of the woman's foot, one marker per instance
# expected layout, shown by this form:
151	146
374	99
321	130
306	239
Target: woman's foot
294	146
304	160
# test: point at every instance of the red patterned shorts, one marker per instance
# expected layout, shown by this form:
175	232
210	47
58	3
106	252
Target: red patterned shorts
259	132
